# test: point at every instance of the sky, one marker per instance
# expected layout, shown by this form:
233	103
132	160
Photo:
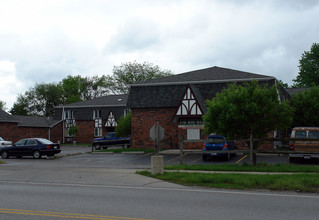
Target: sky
44	41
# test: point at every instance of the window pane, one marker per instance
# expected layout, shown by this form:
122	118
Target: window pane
301	134
313	134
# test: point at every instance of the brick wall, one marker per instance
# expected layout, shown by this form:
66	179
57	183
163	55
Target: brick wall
11	132
144	119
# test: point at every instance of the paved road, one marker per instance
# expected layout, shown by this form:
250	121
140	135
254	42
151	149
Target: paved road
105	186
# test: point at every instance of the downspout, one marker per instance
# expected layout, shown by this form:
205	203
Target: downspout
63	125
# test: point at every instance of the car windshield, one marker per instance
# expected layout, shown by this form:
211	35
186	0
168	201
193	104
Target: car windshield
45	141
1	139
216	140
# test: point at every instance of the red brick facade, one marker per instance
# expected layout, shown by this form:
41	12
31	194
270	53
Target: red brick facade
12	132
144	119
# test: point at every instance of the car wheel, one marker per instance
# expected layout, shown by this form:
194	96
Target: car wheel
97	147
4	154
205	157
37	154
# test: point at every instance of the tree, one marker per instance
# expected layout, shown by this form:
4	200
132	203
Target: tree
78	88
123	128
241	111
308	68
38	101
129	73
306	108
2	105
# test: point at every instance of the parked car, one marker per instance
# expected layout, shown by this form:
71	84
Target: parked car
4	143
36	147
306	145
218	143
111	139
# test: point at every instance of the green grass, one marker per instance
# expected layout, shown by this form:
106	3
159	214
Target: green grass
245	167
2	162
293	182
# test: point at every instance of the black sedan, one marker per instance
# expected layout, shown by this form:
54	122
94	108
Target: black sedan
36	147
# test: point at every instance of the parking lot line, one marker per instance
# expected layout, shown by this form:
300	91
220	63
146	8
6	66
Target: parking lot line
241	159
175	158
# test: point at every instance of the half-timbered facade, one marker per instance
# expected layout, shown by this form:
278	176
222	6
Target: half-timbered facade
93	118
177	103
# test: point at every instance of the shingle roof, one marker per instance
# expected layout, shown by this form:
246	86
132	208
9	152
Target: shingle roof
28	121
34	121
205	76
105	101
5	117
205	83
293	91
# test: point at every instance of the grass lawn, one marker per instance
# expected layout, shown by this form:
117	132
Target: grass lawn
293	182
246	167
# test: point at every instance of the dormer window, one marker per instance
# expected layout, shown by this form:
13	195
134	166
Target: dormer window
97	114
68	114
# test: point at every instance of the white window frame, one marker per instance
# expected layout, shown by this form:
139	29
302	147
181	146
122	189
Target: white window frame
98	127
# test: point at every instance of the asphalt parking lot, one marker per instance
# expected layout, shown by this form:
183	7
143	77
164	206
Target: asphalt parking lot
140	160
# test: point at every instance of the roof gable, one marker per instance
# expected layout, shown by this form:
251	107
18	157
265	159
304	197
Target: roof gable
189	105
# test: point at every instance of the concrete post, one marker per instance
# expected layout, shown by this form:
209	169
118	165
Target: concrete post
157	165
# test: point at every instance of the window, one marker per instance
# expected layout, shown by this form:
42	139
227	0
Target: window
98	127
313	134
301	134
97	114
193	134
68	114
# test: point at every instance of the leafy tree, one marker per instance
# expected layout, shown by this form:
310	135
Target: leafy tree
73	130
129	73
123	128
78	88
306	108
2	105
38	101
308	68
285	85
241	111
21	106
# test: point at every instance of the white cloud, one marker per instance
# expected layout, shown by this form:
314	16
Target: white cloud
9	85
47	40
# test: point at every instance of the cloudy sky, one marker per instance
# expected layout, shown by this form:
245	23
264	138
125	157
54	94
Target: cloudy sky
45	41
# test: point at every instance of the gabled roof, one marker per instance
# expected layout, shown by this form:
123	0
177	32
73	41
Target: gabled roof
208	75
5	117
205	84
293	91
105	101
28	121
35	121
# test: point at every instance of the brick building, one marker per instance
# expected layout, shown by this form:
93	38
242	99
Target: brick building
93	118
14	128
177	103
